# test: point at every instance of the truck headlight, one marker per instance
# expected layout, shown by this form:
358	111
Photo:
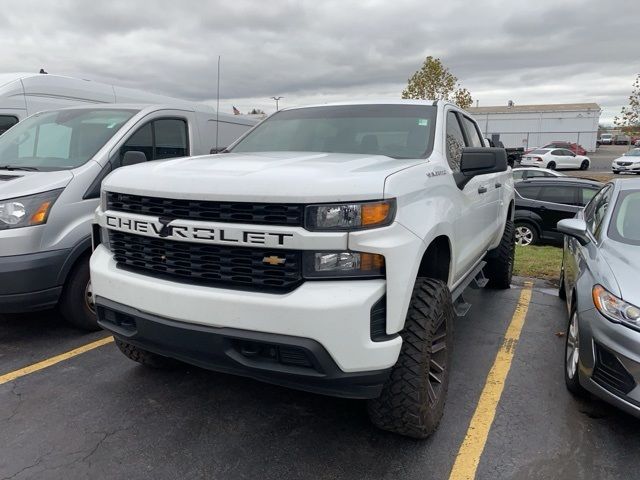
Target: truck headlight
615	308
350	216
342	265
27	211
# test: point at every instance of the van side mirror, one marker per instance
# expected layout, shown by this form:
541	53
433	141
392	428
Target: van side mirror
576	228
480	161
133	157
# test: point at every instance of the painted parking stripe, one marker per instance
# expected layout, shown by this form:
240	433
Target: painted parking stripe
474	442
9	377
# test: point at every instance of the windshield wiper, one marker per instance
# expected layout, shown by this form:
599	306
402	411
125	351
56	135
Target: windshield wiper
17	167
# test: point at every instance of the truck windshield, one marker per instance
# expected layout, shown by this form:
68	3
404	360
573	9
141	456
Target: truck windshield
59	140
397	131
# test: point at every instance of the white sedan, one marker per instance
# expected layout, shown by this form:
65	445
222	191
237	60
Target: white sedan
554	158
629	162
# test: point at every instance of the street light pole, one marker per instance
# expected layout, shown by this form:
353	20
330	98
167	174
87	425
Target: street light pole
277	99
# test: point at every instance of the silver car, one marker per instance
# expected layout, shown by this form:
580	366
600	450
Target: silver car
599	280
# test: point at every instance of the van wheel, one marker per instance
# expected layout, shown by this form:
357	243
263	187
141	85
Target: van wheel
412	400
144	357
499	267
76	303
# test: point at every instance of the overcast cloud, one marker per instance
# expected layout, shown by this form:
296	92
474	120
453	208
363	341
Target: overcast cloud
540	51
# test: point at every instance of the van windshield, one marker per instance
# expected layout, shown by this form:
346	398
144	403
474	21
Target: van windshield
397	131
59	140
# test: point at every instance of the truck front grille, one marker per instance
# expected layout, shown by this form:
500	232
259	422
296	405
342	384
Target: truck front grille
228	212
213	265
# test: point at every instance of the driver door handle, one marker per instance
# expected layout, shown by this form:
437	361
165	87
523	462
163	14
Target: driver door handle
482	190
498	184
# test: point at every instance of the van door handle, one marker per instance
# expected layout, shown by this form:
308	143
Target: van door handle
498	184
482	190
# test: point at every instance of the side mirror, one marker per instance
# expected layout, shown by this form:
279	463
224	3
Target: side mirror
576	228
480	161
133	157
489	142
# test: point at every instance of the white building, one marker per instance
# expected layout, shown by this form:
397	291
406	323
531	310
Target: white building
536	125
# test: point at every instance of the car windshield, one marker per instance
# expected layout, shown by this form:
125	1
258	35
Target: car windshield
540	151
633	153
59	140
625	221
397	131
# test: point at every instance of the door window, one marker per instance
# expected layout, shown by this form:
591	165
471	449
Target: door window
519	175
558	194
472	133
557	153
587	194
528	191
163	138
6	122
455	141
568	153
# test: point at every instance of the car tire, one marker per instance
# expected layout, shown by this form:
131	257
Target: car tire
413	397
584	165
144	357
551	165
526	234
76	303
572	357
499	269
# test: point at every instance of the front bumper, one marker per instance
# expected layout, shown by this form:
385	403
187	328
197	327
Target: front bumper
284	360
625	168
610	361
335	314
31	282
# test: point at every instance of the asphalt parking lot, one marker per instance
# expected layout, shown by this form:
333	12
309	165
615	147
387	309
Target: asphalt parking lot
99	415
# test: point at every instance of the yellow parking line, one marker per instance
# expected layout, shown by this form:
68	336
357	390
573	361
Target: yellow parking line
8	377
472	447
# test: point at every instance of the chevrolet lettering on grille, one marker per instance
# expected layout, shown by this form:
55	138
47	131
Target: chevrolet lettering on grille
176	230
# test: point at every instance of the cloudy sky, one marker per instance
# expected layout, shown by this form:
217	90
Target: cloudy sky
539	51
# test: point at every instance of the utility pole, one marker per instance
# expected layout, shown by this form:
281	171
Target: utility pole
277	99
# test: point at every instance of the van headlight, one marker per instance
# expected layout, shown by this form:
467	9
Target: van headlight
27	211
350	216
615	308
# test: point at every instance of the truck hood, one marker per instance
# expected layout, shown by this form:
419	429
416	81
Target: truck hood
624	261
15	183
292	177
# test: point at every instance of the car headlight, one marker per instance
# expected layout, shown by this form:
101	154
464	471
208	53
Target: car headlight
27	211
614	308
342	265
350	216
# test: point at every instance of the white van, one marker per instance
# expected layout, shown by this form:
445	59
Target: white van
23	94
51	167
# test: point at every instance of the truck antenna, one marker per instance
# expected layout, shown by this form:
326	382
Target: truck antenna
218	104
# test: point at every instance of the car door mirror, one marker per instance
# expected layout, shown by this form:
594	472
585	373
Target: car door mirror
133	157
576	228
480	161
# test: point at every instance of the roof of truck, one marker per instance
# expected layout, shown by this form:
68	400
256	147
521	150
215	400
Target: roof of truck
385	101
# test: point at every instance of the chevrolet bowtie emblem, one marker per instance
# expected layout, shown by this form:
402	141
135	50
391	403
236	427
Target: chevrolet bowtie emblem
273	260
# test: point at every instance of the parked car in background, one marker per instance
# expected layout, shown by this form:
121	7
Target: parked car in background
51	167
574	147
542	203
606	139
622	140
637	143
555	159
629	162
527	173
599	281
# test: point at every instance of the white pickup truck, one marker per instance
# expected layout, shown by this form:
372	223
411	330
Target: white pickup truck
326	250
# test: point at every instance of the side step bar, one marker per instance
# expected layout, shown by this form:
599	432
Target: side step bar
475	279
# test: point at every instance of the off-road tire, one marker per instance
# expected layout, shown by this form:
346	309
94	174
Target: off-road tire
409	404
73	303
499	269
144	357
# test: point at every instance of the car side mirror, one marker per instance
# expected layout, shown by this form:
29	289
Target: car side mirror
480	161
576	228
133	157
